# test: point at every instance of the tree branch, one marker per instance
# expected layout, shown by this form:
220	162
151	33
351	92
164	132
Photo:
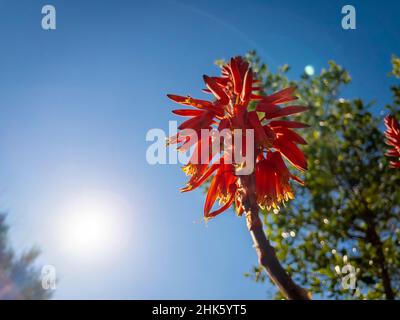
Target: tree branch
376	241
374	238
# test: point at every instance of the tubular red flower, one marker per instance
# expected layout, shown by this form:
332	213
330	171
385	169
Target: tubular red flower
392	135
247	86
216	89
236	78
233	91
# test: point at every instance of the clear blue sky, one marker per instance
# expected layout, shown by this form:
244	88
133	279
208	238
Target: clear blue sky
76	104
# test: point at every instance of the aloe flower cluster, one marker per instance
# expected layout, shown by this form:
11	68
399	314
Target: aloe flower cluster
234	105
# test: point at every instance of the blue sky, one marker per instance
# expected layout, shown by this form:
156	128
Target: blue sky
76	104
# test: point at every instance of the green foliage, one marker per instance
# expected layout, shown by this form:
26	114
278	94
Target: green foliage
396	67
19	278
349	210
395	89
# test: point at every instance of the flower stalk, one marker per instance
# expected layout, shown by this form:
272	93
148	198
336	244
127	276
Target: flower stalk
274	144
265	252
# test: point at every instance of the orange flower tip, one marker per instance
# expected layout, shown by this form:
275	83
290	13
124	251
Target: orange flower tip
298	180
187	187
180	99
174	97
187	169
239	212
168	142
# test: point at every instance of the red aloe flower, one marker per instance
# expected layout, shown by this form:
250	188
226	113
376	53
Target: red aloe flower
273	139
392	135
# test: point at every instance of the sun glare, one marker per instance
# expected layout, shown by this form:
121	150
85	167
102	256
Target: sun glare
92	225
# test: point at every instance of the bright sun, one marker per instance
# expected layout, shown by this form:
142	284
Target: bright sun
92	226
